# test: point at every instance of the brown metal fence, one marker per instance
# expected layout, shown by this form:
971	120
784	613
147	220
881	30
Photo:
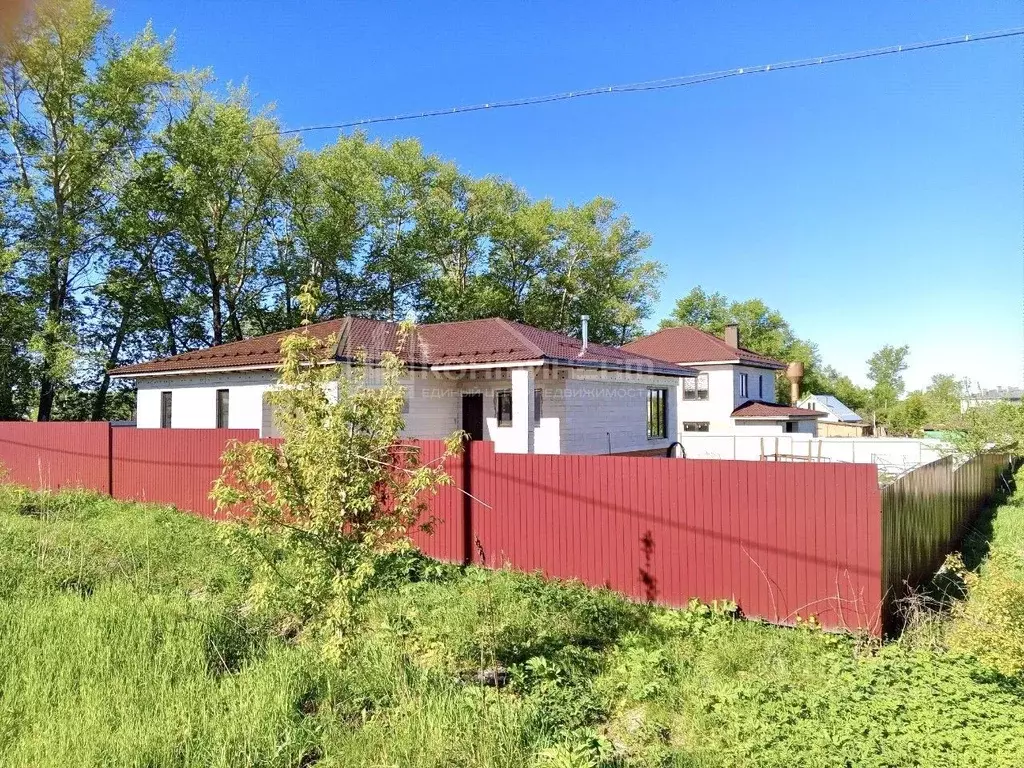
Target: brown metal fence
926	513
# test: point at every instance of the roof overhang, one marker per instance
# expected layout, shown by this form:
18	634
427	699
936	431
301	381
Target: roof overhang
566	363
752	363
779	417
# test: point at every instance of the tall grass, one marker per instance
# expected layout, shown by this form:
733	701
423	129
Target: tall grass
123	641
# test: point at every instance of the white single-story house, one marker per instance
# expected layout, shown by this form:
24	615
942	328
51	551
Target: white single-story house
734	390
526	389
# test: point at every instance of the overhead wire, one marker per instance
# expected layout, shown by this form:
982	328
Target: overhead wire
680	81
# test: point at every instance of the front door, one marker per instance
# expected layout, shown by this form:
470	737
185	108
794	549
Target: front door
473	416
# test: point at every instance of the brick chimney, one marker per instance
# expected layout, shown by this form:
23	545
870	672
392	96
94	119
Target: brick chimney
732	335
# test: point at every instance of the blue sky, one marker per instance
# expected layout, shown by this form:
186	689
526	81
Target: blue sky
872	202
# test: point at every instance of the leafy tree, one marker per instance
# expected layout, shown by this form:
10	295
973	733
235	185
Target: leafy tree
74	103
319	512
225	170
909	416
17	376
885	371
942	399
698	308
998	426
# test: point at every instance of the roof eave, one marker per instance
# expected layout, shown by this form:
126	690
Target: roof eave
673	370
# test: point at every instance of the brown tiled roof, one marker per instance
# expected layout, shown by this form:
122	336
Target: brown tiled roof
470	342
759	409
685	344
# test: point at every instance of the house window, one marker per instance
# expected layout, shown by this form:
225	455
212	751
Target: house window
503	407
695	426
696	389
538	406
790	426
269	426
657	416
165	410
222	409
760	387
744	388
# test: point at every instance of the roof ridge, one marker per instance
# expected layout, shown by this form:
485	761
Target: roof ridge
346	324
521	336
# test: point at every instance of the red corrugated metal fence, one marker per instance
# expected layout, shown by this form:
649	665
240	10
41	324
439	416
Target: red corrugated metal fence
780	539
171	466
56	454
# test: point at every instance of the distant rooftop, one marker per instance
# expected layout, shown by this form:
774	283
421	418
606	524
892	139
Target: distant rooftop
998	393
837	407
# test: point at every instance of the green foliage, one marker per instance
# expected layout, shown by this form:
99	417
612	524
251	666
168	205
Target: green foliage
75	105
130	231
127	641
998	426
319	513
989	625
885	371
762	329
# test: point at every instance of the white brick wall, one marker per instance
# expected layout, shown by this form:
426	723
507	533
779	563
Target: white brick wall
581	410
607	413
724	397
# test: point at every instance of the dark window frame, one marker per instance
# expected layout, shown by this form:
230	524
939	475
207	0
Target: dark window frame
657	413
500	397
696	426
744	385
223	399
166	408
538	406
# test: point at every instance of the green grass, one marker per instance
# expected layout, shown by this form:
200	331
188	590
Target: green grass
124	641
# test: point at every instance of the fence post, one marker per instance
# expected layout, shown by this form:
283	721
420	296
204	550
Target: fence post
467	503
110	460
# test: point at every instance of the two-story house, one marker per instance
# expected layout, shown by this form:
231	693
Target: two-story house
734	390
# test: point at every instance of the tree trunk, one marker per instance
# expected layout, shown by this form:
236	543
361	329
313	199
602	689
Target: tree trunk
233	321
218	319
99	405
46	395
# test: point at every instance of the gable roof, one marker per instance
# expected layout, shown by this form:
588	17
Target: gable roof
685	344
759	409
438	345
836	407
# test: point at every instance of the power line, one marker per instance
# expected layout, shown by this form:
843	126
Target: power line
671	82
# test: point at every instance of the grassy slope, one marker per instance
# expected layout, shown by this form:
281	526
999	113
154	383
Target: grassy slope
123	644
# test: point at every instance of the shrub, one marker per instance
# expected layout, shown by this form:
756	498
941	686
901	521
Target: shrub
990	624
321	513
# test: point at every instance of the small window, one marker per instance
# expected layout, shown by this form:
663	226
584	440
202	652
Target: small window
165	410
270	426
503	407
760	387
744	385
791	426
222	409
695	426
689	389
538	406
657	415
702	386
